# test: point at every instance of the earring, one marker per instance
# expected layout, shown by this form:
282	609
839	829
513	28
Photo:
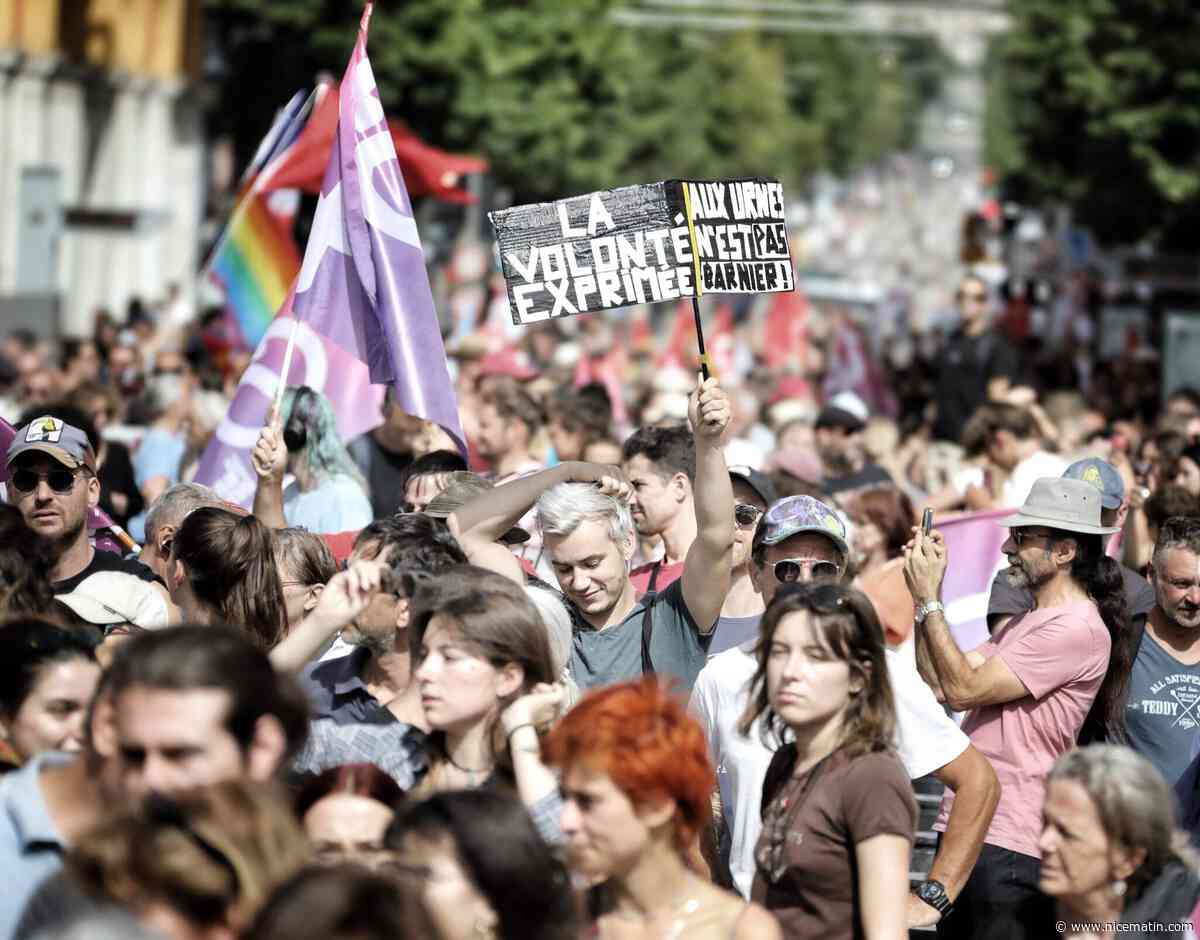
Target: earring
1118	888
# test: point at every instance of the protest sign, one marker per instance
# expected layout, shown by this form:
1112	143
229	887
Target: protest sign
643	244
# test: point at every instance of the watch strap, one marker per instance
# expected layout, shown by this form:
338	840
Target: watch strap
934	894
926	609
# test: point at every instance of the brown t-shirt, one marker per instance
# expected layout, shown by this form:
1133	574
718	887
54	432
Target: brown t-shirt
849	801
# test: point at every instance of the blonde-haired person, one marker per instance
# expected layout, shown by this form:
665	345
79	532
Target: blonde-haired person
1111	853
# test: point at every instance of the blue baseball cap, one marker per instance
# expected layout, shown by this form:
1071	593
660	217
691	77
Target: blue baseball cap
1103	476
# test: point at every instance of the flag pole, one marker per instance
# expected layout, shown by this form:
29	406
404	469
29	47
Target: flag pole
273	415
697	289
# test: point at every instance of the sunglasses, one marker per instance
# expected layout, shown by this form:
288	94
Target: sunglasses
60	480
746	516
789	570
1021	536
972	295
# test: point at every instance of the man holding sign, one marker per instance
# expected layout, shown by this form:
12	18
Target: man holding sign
589	537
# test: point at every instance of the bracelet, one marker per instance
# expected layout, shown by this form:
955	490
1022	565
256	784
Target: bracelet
513	730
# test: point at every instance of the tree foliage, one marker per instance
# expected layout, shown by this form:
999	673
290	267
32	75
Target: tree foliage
562	99
1095	103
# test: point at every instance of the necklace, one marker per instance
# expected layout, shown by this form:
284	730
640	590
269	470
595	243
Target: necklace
678	919
784	812
470	772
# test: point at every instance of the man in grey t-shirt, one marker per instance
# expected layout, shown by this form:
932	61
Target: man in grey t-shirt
589	538
1163	710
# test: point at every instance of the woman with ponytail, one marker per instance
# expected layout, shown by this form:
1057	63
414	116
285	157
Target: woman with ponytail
222	569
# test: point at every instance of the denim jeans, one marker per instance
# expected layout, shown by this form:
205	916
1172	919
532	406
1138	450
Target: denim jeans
1000	901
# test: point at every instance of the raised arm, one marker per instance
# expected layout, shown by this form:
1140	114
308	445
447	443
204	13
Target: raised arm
491	514
706	571
345	597
967	680
269	459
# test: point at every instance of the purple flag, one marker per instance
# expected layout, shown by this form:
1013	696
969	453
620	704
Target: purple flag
973	543
363	283
317	362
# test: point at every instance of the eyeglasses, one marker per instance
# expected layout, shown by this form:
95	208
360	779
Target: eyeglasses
789	570
977	296
746	516
1021	536
60	480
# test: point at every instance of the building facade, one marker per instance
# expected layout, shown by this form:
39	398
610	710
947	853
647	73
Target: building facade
101	157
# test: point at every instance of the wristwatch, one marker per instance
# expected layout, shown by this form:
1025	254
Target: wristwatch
934	894
926	609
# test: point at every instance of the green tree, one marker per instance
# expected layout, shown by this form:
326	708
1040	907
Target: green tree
1094	103
562	99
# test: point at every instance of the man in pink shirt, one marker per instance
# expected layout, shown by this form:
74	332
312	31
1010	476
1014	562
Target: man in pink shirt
1041	680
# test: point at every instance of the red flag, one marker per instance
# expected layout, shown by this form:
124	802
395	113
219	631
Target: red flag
786	334
426	169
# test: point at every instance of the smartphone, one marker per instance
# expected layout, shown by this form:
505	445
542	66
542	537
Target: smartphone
927	522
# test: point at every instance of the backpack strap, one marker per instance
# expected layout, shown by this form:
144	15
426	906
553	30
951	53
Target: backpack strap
648	619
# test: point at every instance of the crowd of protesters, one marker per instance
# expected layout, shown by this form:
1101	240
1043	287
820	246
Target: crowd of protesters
657	657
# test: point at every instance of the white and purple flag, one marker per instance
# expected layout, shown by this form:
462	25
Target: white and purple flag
363	283
362	300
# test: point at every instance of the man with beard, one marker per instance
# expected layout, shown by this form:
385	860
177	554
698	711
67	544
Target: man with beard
1049	678
1007	599
52	481
353	687
1163	710
839	434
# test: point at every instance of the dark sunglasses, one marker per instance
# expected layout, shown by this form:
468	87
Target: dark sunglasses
746	516
1021	536
789	570
972	295
60	480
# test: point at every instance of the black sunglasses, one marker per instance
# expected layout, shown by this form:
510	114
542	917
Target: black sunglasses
746	515
789	570
1021	536
60	480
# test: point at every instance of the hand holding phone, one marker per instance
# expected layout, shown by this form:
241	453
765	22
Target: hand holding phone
927	522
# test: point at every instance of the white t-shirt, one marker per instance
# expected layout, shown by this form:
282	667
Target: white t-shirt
1041	464
926	739
719	700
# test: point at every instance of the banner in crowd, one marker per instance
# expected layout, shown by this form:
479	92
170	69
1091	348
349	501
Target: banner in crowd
973	543
633	245
362	300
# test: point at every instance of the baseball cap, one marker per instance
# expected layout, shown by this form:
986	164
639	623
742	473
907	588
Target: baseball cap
759	482
108	598
53	436
1103	476
461	488
845	410
796	514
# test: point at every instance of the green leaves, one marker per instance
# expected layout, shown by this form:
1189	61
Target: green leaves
561	99
1096	102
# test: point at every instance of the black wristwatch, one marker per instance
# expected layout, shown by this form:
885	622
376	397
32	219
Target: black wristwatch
934	894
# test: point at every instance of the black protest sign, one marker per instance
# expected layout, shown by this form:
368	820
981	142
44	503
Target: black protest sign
633	245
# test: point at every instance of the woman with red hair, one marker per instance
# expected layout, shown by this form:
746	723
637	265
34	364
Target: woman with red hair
636	781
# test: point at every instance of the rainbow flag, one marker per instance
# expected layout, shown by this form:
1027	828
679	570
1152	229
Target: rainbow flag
255	259
255	265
